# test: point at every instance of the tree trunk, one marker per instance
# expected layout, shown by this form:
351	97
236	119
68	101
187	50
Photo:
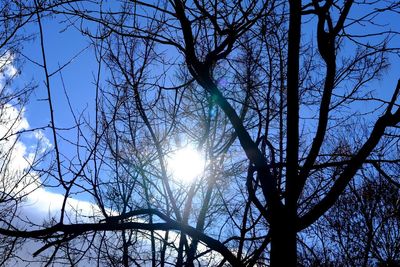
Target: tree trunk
283	242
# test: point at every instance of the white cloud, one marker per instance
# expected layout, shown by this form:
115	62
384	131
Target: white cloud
7	69
12	121
48	204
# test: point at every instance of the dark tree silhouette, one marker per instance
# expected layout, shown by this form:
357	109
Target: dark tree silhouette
361	229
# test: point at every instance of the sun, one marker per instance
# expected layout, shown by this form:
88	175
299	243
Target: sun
186	164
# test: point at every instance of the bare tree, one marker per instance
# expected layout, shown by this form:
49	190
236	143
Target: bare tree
17	163
362	227
269	92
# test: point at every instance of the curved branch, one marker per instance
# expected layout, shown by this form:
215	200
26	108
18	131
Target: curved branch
81	228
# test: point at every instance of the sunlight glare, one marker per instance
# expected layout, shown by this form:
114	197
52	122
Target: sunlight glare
186	164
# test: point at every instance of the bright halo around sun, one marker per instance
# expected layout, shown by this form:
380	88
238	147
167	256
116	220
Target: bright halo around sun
186	164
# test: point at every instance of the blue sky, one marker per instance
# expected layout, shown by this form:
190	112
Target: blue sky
63	43
61	47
